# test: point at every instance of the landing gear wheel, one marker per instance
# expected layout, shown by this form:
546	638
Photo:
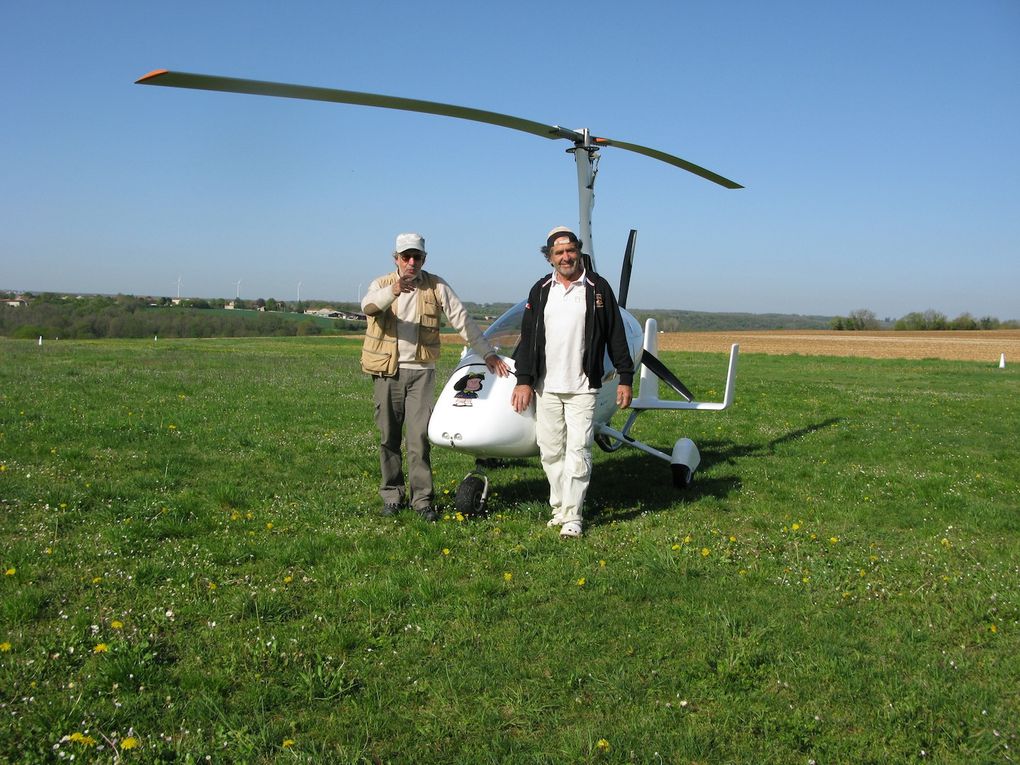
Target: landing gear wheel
607	444
471	496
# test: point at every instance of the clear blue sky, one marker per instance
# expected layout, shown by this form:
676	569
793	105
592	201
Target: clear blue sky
879	143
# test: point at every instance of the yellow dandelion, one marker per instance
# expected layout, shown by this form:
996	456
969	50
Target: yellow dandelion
269	526
733	538
101	648
687	539
833	540
446	551
581	582
602	564
993	628
459	517
705	552
11	571
97	579
5	647
212	585
288	579
81	738
3	468
171	426
130	743
117	624
507	576
603	745
795	527
676	547
288	743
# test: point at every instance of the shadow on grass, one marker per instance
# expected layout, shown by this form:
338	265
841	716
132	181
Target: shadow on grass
634	484
715	452
630	483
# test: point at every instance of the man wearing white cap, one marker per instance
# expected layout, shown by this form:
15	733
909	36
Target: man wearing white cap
400	352
570	321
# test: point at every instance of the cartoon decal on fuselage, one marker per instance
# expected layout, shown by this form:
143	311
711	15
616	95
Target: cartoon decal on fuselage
467	388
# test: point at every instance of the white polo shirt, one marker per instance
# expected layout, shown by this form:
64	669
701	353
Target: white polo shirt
564	338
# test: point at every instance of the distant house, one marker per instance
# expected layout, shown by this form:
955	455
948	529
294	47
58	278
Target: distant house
16	302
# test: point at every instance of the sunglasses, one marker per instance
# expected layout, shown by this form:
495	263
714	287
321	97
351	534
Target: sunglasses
406	256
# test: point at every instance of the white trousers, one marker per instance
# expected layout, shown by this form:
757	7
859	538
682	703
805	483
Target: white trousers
565	430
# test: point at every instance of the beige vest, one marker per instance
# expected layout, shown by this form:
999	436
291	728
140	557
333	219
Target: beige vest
379	353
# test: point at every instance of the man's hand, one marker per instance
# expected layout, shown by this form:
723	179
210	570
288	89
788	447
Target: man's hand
520	400
624	395
405	284
496	365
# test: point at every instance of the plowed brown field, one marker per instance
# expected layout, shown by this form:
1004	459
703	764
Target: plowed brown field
953	345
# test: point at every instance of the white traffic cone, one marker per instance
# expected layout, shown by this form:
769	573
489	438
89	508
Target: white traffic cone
1002	361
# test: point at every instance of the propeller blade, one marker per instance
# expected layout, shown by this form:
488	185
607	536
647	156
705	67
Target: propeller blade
671	160
167	78
662	372
628	265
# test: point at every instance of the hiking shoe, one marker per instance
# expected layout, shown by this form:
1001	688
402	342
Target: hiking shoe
389	509
570	530
428	514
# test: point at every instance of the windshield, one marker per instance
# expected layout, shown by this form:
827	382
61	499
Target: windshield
505	332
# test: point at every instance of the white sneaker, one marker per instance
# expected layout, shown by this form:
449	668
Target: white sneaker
570	530
553	522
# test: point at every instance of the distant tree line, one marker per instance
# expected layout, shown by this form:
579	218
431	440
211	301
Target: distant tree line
93	317
863	319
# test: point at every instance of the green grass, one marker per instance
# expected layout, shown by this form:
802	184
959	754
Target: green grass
192	562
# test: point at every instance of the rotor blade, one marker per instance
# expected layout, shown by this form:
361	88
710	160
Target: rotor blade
283	90
628	264
662	372
669	159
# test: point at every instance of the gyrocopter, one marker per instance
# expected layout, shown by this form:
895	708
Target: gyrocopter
472	414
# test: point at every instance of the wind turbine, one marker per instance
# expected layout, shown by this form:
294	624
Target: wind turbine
178	289
237	295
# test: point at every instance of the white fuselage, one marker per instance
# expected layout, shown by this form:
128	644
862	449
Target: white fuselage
473	412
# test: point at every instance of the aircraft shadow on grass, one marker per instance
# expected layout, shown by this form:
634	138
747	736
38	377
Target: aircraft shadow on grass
614	495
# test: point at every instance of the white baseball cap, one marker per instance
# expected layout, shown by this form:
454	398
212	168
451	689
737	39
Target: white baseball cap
407	242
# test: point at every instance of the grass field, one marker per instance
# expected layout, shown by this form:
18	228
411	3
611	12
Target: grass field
193	570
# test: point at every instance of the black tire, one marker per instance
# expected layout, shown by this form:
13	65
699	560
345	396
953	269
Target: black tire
469	499
682	476
607	444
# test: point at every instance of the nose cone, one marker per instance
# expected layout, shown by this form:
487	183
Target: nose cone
473	414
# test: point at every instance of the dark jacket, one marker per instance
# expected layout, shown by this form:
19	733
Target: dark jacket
603	327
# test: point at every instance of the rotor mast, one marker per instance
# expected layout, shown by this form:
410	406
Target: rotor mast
586	159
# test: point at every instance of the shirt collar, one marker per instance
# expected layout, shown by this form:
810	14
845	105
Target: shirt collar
577	282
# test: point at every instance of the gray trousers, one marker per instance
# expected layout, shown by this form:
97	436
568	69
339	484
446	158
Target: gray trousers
405	401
